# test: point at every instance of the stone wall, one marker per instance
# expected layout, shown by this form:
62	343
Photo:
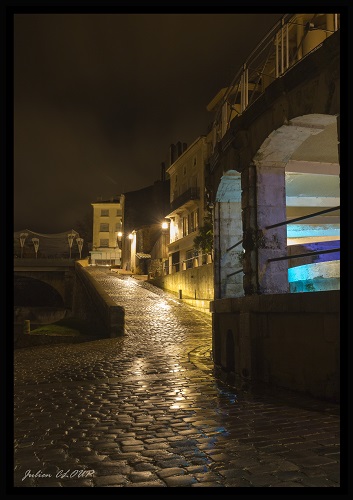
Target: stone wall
196	283
91	303
285	340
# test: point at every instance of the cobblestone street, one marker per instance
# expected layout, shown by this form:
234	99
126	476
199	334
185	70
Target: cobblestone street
145	409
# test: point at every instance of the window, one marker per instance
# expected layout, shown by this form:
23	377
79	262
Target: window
118	226
196	219
185	226
184	169
191	222
118	212
189	259
104	242
176	261
104	227
195	161
105	212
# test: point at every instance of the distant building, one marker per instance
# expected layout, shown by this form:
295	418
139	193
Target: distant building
107	231
143	212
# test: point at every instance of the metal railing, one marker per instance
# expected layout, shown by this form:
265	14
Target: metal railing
307	254
295	256
192	193
182	265
278	51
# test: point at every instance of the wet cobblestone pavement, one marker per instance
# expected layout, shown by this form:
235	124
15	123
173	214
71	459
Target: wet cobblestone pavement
145	410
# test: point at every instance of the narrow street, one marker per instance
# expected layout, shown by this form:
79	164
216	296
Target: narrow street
146	410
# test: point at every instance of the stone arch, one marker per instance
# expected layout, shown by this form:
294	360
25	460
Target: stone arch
303	156
228	234
32	292
271	190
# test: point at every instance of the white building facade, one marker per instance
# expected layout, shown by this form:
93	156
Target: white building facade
107	232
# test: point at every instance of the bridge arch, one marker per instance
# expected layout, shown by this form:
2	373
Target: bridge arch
32	292
61	280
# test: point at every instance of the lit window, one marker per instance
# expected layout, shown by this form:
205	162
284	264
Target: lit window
104	227
185	226
104	242
104	212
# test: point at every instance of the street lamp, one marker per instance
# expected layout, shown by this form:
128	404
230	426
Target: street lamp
70	238
23	237
119	238
35	242
79	242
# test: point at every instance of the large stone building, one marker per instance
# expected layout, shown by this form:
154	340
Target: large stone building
107	230
187	206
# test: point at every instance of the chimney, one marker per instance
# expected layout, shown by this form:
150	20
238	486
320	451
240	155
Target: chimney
185	146
179	149
172	156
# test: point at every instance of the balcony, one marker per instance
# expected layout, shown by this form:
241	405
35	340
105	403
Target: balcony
192	193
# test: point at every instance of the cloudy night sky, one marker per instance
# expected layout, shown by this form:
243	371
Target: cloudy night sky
99	97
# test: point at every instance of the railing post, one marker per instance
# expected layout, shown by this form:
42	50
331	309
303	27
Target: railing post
287	46
277	59
282	52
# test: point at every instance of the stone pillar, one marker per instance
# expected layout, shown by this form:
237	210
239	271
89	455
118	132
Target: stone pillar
264	204
228	282
69	279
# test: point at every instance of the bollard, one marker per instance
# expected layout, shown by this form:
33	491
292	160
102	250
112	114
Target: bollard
27	326
180	294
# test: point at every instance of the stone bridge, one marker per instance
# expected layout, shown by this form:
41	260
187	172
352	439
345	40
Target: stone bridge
56	274
64	286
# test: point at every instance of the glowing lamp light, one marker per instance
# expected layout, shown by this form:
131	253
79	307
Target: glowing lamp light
120	234
131	236
164	225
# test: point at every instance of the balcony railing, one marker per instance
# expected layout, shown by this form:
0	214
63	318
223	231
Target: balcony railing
192	193
290	40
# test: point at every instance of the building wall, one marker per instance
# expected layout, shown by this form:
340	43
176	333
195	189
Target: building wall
187	172
195	283
285	340
143	211
108	253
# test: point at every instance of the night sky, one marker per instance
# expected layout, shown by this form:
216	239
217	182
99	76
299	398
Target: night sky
99	97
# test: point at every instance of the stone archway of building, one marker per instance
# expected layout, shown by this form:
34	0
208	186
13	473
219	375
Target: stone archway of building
294	173
306	152
228	235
